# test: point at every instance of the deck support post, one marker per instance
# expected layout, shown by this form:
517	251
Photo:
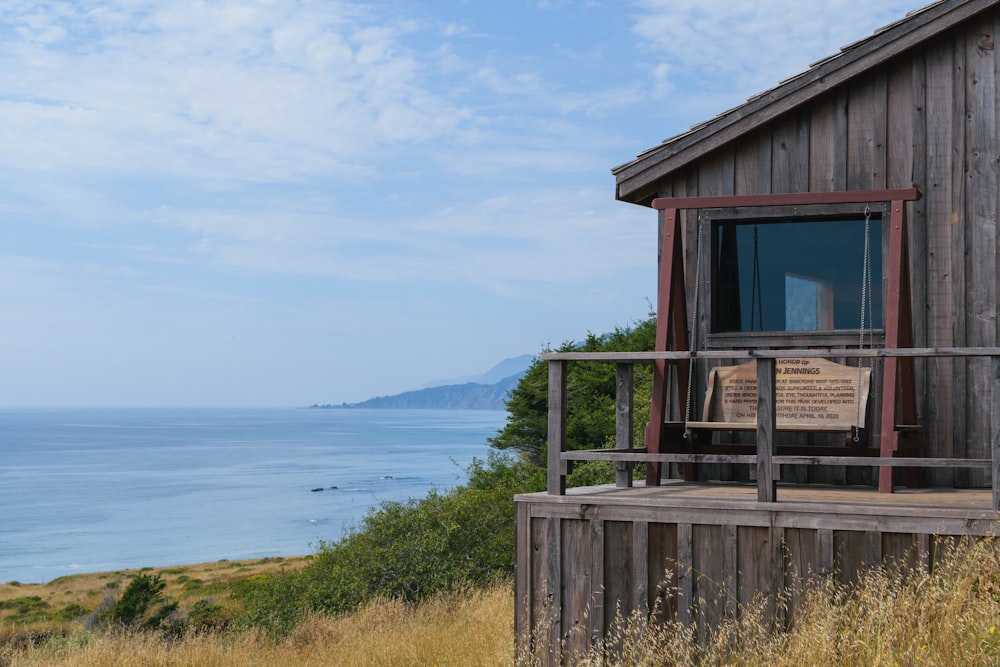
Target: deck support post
624	421
556	479
767	487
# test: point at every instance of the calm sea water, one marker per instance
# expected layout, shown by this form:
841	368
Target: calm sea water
86	490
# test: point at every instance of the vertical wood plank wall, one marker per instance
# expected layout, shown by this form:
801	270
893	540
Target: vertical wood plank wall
928	118
583	563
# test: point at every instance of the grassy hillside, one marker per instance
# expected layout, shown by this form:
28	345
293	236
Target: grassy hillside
895	617
427	582
473	627
65	604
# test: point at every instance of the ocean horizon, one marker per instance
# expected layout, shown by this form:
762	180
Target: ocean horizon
104	489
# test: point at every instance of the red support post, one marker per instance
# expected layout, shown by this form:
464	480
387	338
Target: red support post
671	327
894	318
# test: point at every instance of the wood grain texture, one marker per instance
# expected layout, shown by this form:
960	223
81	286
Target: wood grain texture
995	429
957	247
639	563
702	552
595	612
522	577
557	411
981	210
624	419
708	572
662	575
685	574
575	583
766	483
617	570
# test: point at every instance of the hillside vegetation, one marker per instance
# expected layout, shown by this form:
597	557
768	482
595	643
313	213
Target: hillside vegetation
463	537
894	617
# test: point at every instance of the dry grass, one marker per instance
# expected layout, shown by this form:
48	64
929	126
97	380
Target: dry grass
893	618
474	628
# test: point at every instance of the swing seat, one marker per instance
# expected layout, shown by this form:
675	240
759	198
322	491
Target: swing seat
811	396
787	428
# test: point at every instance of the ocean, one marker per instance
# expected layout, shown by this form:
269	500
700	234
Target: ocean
88	490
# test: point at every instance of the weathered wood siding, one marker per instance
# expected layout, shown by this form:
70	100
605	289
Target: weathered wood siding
929	118
584	560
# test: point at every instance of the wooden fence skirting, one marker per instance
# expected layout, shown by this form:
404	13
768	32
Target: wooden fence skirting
765	459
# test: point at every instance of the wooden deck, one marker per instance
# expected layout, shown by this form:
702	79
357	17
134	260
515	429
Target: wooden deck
702	551
735	496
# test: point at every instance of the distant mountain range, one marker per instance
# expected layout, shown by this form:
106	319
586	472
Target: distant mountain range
487	391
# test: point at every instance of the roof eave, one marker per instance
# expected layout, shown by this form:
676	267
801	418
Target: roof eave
636	180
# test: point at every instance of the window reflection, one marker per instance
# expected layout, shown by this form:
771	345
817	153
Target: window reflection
793	275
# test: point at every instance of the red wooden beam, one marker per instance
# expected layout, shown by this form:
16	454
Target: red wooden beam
897	315
788	199
671	328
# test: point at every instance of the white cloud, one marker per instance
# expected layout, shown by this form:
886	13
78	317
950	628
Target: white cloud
245	90
218	94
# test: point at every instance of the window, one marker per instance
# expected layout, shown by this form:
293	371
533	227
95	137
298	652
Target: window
794	274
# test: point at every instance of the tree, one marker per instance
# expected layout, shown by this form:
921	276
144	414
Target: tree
142	604
590	391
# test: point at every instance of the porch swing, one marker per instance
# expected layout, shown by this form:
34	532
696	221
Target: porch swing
673	333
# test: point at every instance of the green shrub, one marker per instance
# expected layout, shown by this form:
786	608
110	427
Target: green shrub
191	584
70	612
27	609
206	615
141	606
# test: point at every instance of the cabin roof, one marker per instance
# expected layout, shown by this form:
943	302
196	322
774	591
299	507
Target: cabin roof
636	181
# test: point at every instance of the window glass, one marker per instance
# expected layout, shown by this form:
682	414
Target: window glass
801	275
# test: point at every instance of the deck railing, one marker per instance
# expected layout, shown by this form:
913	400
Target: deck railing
625	453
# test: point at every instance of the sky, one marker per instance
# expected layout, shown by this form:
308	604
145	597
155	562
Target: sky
280	203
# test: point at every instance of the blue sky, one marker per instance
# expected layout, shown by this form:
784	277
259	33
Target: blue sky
278	203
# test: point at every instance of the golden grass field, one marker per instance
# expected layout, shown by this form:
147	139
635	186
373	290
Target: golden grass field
892	618
470	628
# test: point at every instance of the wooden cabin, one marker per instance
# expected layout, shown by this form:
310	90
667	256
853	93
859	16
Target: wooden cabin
832	239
